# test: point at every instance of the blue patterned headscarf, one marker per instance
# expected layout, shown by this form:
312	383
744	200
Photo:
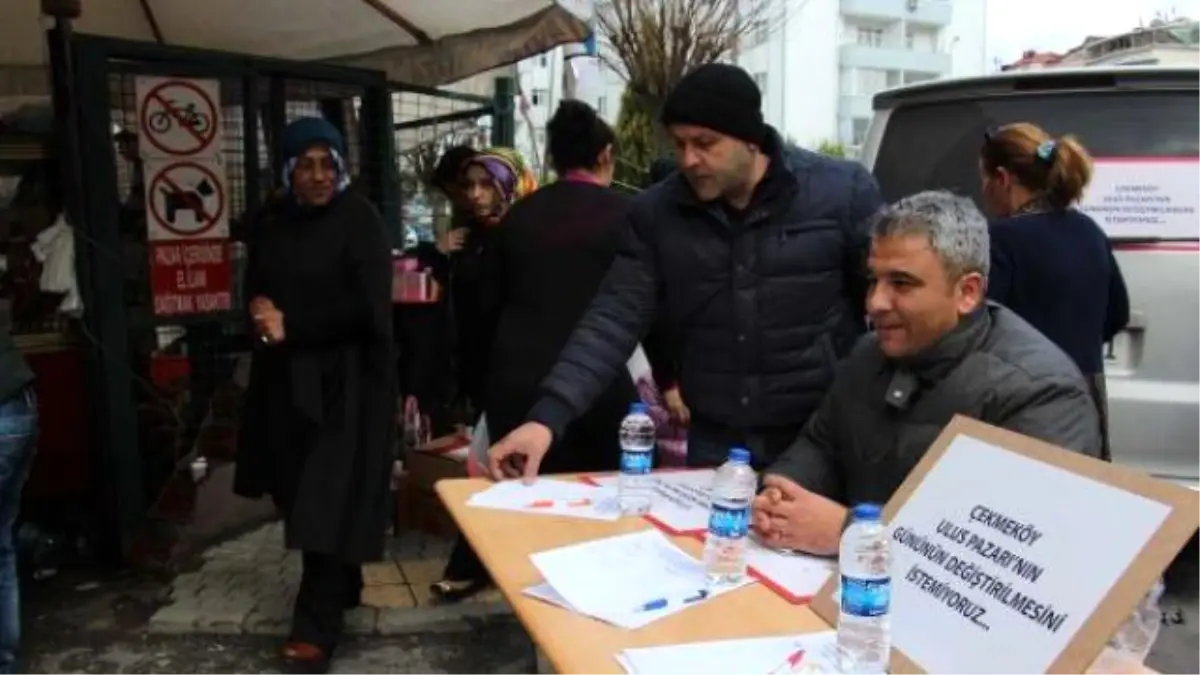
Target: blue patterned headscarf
304	133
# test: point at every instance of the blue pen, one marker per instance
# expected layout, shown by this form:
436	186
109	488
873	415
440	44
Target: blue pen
661	603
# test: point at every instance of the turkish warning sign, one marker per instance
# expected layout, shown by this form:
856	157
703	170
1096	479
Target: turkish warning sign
186	199
191	277
178	117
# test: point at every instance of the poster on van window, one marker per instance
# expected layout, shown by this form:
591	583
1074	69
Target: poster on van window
1145	197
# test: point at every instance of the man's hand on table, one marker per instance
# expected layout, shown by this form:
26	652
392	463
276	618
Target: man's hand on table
520	453
786	515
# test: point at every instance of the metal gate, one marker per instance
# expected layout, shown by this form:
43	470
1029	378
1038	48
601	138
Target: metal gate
163	386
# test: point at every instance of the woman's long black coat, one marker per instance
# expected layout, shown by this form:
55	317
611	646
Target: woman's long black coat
318	427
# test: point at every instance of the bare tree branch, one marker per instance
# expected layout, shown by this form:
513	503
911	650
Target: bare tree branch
654	43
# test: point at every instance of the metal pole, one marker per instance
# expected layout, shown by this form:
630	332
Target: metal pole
66	115
503	123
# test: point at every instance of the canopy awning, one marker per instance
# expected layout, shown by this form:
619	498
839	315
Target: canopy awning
425	42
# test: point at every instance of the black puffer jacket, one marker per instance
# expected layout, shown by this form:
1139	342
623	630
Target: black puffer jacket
761	309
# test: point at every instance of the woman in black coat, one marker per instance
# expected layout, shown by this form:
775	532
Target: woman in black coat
542	269
317	432
1051	263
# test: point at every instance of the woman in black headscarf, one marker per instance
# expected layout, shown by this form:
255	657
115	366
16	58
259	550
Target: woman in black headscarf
318	427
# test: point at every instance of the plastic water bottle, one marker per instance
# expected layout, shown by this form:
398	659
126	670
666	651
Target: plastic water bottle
864	638
733	490
634	487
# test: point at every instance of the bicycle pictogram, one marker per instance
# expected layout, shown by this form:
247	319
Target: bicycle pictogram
187	115
178	117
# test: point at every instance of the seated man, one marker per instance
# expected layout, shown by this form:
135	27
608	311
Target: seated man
938	349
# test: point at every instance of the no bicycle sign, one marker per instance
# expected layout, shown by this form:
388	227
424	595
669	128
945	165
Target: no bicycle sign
178	117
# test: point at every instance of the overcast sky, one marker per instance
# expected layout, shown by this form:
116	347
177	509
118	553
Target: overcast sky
1057	25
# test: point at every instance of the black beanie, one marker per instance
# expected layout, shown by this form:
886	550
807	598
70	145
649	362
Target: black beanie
720	97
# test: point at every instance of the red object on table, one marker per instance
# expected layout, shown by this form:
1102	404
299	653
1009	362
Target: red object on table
412	285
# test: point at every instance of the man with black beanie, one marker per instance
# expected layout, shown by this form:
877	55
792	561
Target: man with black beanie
752	255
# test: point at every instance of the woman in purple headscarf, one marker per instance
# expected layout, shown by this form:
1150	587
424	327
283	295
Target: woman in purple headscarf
490	182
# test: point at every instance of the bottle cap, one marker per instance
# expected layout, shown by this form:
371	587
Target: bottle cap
868	512
739	455
639	407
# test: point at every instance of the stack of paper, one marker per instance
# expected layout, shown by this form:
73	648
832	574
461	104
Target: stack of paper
550	497
629	580
796	577
681	499
807	653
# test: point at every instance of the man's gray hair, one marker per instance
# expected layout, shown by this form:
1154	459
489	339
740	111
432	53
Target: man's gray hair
957	231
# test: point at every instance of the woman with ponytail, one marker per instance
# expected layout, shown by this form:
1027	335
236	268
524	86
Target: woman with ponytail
1051	263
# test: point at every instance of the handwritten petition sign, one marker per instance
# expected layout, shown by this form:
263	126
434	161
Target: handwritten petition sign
987	567
996	549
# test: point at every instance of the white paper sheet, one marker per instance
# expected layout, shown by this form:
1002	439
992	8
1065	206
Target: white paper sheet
610	579
681	499
546	593
756	655
550	497
795	577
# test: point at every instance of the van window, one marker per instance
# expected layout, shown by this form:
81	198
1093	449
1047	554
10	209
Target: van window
936	145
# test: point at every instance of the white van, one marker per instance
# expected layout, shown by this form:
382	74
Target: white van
927	136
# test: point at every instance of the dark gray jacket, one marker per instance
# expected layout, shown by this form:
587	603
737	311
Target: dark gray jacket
759	311
881	415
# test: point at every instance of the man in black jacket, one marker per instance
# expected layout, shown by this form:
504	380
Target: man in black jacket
752	256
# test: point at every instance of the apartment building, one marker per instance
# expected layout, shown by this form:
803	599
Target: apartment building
818	62
1162	43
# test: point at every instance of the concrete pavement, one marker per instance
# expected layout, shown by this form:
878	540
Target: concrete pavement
248	585
495	645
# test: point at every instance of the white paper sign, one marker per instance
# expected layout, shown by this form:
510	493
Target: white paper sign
178	117
681	499
1152	198
996	549
186	199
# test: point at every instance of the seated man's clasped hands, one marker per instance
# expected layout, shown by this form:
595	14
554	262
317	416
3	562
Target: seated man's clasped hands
789	517
938	349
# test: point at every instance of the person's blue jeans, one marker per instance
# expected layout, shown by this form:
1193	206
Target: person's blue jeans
18	439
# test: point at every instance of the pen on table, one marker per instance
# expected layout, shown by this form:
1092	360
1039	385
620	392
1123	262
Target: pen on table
662	603
547	503
790	663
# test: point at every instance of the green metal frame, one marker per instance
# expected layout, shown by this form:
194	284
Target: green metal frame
499	106
109	376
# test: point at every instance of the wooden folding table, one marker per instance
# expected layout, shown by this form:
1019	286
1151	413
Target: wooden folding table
574	643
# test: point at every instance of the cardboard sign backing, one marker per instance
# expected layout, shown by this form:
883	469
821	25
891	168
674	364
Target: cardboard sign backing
1181	521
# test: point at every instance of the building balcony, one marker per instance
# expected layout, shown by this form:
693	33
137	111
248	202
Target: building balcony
928	12
894	58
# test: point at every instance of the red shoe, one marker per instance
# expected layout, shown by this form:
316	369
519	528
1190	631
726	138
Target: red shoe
304	658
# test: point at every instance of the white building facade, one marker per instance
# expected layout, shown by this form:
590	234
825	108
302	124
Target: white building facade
818	63
1174	43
